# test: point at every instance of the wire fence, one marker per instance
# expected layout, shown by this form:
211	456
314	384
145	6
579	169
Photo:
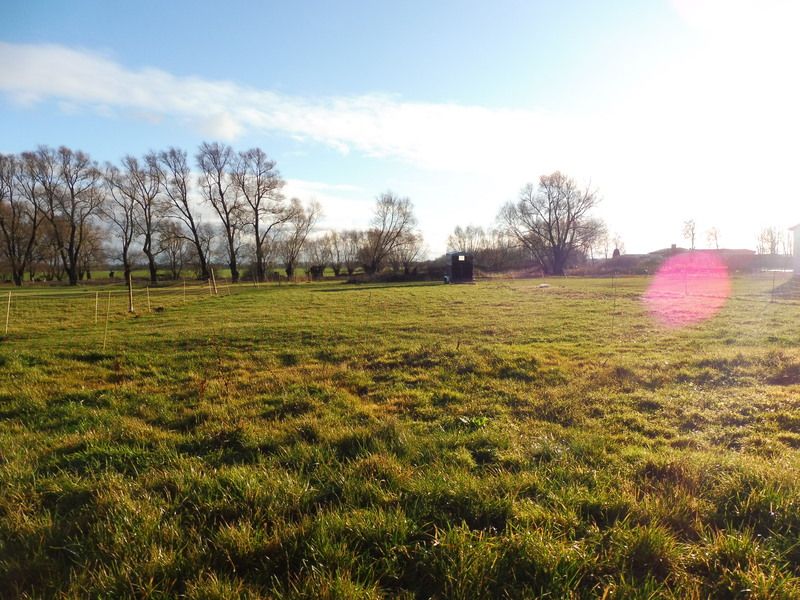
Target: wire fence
73	316
93	317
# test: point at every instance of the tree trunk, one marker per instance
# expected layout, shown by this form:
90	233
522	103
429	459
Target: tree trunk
260	271
151	265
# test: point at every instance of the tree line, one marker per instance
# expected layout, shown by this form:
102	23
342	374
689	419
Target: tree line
549	226
62	215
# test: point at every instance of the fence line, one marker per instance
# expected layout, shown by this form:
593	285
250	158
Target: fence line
34	313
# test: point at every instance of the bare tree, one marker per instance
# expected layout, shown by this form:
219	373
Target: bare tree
172	245
336	248
70	198
594	244
121	211
712	237
470	239
201	256
618	243
690	231
93	251
408	250
217	163
769	240
20	216
293	236
175	175
393	218
551	221
318	253
352	241
144	182
260	184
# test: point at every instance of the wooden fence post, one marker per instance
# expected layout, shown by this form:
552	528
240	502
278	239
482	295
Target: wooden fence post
8	311
108	313
96	306
130	293
214	281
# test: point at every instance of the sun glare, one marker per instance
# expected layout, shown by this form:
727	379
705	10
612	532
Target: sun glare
689	288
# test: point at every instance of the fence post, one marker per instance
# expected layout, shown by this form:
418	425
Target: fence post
130	293
214	281
772	296
108	313
149	309
8	311
96	306
184	290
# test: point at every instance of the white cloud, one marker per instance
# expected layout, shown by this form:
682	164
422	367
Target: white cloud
433	136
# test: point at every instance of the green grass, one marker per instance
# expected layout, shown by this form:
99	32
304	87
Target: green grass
335	441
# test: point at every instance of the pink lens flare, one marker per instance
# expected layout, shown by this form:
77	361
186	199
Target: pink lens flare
689	288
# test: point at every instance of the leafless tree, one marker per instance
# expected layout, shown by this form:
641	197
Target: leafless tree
293	236
217	163
712	237
408	251
259	182
120	210
70	198
93	251
552	220
690	231
618	243
594	244
393	218
175	177
200	256
470	239
351	243
769	240
47	256
172	245
318	255
336	248
20	216
144	181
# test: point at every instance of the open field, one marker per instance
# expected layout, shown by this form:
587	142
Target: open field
326	440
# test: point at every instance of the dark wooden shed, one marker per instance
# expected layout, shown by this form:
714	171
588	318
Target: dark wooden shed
459	267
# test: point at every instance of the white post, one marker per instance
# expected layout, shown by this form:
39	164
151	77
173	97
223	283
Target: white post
184	291
108	313
214	281
8	311
130	293
149	309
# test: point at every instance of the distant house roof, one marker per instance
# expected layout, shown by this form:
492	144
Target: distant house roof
669	251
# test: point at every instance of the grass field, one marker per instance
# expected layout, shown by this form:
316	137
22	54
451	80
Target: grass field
334	441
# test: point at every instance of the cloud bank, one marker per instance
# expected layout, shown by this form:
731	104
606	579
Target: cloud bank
433	136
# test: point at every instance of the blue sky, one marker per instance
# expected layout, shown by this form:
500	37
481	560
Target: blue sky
673	109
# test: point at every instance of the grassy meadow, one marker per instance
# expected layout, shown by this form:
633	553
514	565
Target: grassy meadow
496	440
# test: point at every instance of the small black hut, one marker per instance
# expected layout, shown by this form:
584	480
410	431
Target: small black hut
459	267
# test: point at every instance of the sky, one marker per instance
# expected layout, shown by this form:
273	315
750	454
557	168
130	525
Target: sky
671	109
